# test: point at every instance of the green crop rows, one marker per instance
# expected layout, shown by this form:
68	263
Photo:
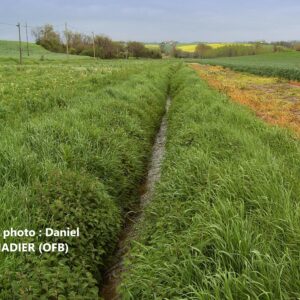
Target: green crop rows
285	65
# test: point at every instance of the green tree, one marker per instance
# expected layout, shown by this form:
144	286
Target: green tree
136	49
47	37
202	50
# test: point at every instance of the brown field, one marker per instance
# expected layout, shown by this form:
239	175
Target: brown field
274	100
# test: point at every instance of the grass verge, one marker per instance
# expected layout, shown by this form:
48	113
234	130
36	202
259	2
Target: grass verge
73	158
225	221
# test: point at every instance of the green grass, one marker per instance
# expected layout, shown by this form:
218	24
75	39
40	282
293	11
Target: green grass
76	137
282	64
75	142
225	220
11	48
9	53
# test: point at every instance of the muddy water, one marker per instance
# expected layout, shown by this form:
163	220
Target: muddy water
113	274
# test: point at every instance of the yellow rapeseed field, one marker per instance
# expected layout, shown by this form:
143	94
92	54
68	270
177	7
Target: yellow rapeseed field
152	46
191	47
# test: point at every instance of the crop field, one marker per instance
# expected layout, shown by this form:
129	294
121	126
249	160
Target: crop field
275	101
152	46
284	64
192	47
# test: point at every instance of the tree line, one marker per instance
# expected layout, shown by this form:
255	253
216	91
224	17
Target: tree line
82	44
205	51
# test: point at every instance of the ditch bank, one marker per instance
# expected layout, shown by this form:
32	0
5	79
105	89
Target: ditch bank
224	222
114	271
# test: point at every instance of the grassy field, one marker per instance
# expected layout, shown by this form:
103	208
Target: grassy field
75	142
9	53
224	223
284	64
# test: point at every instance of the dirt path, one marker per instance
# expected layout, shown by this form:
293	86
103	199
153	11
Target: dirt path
113	275
295	84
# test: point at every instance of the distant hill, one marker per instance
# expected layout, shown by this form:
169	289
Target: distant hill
10	49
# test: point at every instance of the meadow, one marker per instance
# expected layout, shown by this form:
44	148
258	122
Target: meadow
75	142
224	223
11	48
76	139
9	53
282	64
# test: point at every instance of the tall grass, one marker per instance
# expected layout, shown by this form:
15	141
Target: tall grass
74	147
225	221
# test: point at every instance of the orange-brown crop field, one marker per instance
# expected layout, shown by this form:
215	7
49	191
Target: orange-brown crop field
277	101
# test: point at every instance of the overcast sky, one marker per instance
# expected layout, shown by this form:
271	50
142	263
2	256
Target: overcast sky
158	20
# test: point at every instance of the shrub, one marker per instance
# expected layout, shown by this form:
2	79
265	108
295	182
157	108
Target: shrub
87	52
48	278
69	199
